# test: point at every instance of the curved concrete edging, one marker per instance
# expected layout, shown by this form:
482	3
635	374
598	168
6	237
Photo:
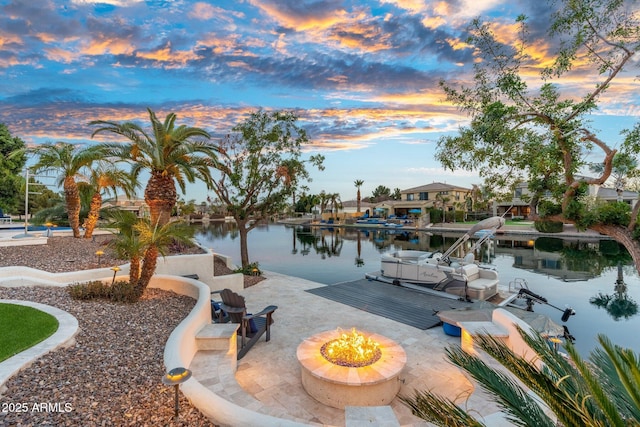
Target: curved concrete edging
64	336
181	348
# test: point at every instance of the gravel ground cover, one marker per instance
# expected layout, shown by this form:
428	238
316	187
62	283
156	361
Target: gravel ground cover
112	375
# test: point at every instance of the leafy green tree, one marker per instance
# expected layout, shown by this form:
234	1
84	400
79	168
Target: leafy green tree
169	153
397	194
540	134
604	392
43	201
261	169
381	193
358	183
68	161
10	170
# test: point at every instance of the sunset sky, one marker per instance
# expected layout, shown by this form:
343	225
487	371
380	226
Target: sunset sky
362	75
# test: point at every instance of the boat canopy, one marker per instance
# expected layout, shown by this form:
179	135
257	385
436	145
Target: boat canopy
492	223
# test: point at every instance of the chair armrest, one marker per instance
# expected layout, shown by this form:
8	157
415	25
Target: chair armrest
229	309
266	311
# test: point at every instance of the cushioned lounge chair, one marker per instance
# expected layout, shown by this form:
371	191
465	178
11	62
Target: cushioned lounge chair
233	308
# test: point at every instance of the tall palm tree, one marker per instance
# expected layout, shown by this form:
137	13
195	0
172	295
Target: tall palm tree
68	160
604	392
358	183
105	178
170	153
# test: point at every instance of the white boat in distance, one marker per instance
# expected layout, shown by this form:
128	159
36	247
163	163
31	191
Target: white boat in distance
439	271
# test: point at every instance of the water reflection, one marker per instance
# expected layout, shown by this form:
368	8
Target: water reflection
620	304
569	260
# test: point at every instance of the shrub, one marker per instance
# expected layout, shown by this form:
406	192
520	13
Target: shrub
251	270
435	215
89	290
123	291
548	208
120	291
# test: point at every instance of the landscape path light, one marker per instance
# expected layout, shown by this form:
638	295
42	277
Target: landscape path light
99	254
115	271
175	377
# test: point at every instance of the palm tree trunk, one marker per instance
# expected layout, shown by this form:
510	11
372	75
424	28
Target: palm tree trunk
72	198
94	214
149	263
134	270
161	196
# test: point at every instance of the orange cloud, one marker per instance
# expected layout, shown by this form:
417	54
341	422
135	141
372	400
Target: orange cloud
60	55
166	54
301	22
107	46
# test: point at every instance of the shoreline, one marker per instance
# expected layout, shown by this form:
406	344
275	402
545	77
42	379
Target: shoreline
526	229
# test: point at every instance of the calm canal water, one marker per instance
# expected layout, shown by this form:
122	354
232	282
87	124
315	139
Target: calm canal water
584	274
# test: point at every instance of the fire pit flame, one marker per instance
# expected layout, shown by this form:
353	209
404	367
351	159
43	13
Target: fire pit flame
352	349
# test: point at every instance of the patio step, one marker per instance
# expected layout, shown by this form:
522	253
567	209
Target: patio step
218	336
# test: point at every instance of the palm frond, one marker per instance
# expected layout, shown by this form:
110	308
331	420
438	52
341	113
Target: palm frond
619	369
521	408
438	410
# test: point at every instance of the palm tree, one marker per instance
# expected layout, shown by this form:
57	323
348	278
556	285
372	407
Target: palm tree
358	183
156	240
142	242
68	160
335	202
604	392
127	243
170	153
105	179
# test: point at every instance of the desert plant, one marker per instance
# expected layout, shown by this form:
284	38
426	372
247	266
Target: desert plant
603	391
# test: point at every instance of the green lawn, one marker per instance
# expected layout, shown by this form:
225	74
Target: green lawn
23	327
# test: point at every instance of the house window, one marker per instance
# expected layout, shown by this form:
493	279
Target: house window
409	196
518	193
424	196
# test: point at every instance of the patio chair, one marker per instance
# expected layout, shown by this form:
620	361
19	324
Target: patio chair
252	326
4	218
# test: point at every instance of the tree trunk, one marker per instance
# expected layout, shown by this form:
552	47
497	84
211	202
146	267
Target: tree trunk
623	236
94	214
244	250
149	263
134	270
72	198
161	196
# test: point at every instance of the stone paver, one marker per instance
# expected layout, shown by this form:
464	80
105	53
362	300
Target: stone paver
270	372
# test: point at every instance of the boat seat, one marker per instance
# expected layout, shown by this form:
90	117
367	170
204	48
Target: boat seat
472	271
480	284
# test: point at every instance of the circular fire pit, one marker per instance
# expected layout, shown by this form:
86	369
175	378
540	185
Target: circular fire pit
336	385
